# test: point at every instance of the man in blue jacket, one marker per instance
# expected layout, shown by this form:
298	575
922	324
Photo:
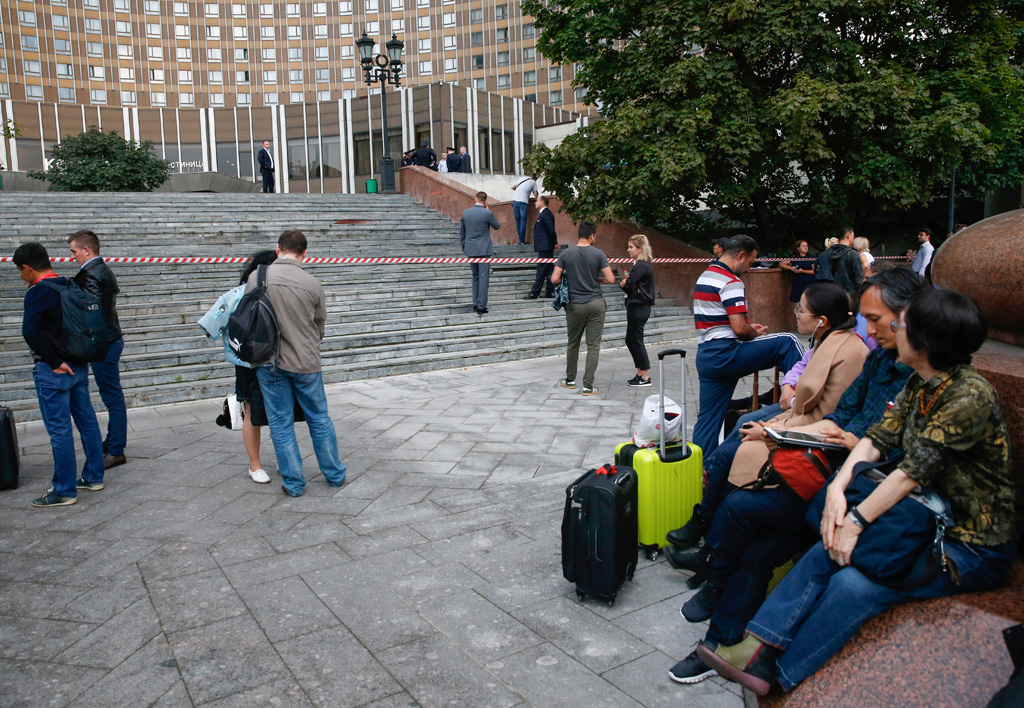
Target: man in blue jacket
475	238
63	391
544	243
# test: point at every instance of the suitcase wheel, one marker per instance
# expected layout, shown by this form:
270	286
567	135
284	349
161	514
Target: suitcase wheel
652	552
611	602
580	595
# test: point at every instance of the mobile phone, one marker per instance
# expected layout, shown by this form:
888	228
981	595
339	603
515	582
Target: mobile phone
794	437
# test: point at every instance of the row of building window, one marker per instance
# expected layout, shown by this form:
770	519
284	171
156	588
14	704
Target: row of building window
267	10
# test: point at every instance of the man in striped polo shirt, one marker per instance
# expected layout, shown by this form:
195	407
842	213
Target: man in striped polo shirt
729	347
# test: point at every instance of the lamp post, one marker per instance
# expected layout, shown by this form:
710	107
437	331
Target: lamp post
385	69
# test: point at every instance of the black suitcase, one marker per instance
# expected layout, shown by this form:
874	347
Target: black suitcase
599	531
9	459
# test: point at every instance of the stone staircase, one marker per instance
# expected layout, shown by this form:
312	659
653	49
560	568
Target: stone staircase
382	319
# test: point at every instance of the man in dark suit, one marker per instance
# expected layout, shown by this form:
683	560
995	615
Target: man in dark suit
454	161
425	156
544	243
475	238
466	162
266	161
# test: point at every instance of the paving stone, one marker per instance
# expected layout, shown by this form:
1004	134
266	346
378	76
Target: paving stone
547	677
286	608
283	693
434	583
195	600
634	680
175	697
482	545
35	599
397	496
112	560
529	556
239	547
370	486
315	529
461	522
284	565
415	514
116	639
71	544
35	684
380	543
106	599
437	673
34	639
482	629
176	559
223	658
335	669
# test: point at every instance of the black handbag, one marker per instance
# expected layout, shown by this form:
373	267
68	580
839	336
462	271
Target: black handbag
902	548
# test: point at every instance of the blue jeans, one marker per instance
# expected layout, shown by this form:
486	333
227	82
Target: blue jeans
61	398
108	380
281	389
723	362
719	462
519	211
819	606
753	533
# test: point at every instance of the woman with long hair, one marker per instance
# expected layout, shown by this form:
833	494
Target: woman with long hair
801	265
867	261
639	288
247	389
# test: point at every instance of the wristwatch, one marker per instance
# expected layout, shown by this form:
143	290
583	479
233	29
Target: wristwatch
857	518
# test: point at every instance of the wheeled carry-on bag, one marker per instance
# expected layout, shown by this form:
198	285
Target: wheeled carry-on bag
670	479
9	459
599	543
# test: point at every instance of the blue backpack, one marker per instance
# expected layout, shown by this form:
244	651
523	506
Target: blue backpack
83	329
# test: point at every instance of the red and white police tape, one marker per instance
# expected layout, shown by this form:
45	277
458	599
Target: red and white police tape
411	260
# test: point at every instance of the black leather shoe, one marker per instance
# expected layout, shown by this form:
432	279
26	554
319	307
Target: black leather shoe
702	605
693	560
113	461
482	311
529	296
692	531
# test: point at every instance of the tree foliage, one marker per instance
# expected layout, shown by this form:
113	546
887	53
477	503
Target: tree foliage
95	161
775	113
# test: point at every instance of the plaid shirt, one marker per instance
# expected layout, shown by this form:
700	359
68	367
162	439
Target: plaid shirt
872	393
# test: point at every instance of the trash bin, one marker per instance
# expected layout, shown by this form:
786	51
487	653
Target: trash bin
371	186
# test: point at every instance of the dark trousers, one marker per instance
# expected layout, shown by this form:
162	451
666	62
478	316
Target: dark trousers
636	319
543	278
268	180
481	280
753	533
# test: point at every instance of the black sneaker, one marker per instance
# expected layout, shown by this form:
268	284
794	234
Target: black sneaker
702	605
691	670
693	531
91	486
50	499
637	381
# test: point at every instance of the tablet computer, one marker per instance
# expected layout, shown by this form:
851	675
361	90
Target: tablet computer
795	437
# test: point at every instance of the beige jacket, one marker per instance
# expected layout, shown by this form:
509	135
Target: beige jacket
833	366
298	300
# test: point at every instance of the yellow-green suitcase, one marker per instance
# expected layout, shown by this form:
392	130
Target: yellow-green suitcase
670	479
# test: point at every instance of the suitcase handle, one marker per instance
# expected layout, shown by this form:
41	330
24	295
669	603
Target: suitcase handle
682	398
671	352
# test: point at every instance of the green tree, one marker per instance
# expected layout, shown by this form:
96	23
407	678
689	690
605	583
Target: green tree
95	161
777	113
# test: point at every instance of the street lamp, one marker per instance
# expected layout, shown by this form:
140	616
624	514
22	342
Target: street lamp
385	69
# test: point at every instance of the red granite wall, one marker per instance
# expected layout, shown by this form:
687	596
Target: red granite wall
767	290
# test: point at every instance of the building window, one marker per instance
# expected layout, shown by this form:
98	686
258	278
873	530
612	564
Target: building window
33	92
424	45
240	32
92	4
323	75
181	9
216	77
185	76
266	10
528	31
371	5
210	9
156	75
504	81
128	98
127	74
294	32
267	32
396	26
476	16
30	43
295	76
323	95
347	51
449	43
60	22
241	77
95	49
122	5
448	19
213	55
581	94
319	30
529	54
422	3
152	7
93	25
67	95
213	31
345	7
155	53
269	54
555	73
184	54
182	31
187	99
292	9
98	96
61	46
121	27
124	51
243	99
270	77
345	29
319	9
216	99
158	98
477	39
297	97
64	71
423	23
480	84
450	65
237	10
34	68
530	98
295	54
26	18
502	58
270	99
478	61
373	28
501	35
348	73
501	12
320	53
555	98
425	67
153	29
348	93
529	78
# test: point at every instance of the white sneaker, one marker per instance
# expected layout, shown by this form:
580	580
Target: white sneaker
259	476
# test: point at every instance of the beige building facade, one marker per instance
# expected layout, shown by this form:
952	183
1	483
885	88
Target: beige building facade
217	55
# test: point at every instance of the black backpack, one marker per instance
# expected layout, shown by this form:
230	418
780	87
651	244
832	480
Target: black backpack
83	329
253	333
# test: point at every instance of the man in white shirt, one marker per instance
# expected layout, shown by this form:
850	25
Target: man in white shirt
924	253
525	188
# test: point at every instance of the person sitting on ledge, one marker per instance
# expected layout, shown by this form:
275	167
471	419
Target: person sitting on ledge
948	421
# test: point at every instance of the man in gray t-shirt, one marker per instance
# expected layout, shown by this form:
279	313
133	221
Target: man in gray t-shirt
585	268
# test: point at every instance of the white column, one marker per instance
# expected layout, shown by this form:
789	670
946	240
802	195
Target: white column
281	168
212	122
126	118
350	140
6	108
204	143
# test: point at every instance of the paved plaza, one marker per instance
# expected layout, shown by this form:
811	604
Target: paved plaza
432	578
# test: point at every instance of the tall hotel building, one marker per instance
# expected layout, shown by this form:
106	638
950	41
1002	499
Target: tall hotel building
208	81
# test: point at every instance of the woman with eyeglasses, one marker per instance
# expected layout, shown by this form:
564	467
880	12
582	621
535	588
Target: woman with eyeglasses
948	422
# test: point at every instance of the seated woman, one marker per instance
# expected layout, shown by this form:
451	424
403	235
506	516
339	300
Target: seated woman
836	359
948	421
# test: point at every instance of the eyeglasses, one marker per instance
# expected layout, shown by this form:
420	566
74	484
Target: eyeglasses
799	311
896	326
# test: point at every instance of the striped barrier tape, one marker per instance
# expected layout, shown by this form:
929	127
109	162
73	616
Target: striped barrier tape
411	260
